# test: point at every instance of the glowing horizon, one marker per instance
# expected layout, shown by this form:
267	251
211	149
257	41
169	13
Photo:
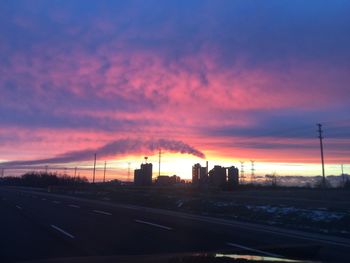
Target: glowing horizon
181	165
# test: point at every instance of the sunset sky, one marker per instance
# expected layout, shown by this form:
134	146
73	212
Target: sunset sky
231	80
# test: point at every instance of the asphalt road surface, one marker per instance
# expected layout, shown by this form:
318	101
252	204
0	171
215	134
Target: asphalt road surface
36	225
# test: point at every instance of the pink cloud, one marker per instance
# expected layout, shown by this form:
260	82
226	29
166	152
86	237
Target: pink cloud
176	97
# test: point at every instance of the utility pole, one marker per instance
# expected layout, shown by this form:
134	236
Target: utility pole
242	171
104	173
252	176
93	176
128	179
160	154
322	157
46	169
342	174
75	172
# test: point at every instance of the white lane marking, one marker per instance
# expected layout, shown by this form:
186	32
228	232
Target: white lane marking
102	212
62	231
153	224
259	228
75	206
18	207
56	202
253	250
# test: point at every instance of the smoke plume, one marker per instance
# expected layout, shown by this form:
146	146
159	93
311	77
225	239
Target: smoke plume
119	147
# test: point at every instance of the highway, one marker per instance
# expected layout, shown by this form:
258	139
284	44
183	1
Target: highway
38	225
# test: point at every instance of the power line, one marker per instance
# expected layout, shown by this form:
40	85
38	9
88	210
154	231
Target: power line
252	176
93	177
160	154
242	171
104	172
128	172
322	157
342	173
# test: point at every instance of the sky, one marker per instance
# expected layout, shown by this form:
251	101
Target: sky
224	81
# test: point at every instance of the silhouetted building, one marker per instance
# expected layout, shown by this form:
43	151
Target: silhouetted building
232	176
195	173
165	180
175	179
199	174
217	176
203	175
143	176
138	178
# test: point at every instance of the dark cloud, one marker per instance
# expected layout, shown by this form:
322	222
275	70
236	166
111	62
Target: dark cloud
282	28
288	123
38	118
